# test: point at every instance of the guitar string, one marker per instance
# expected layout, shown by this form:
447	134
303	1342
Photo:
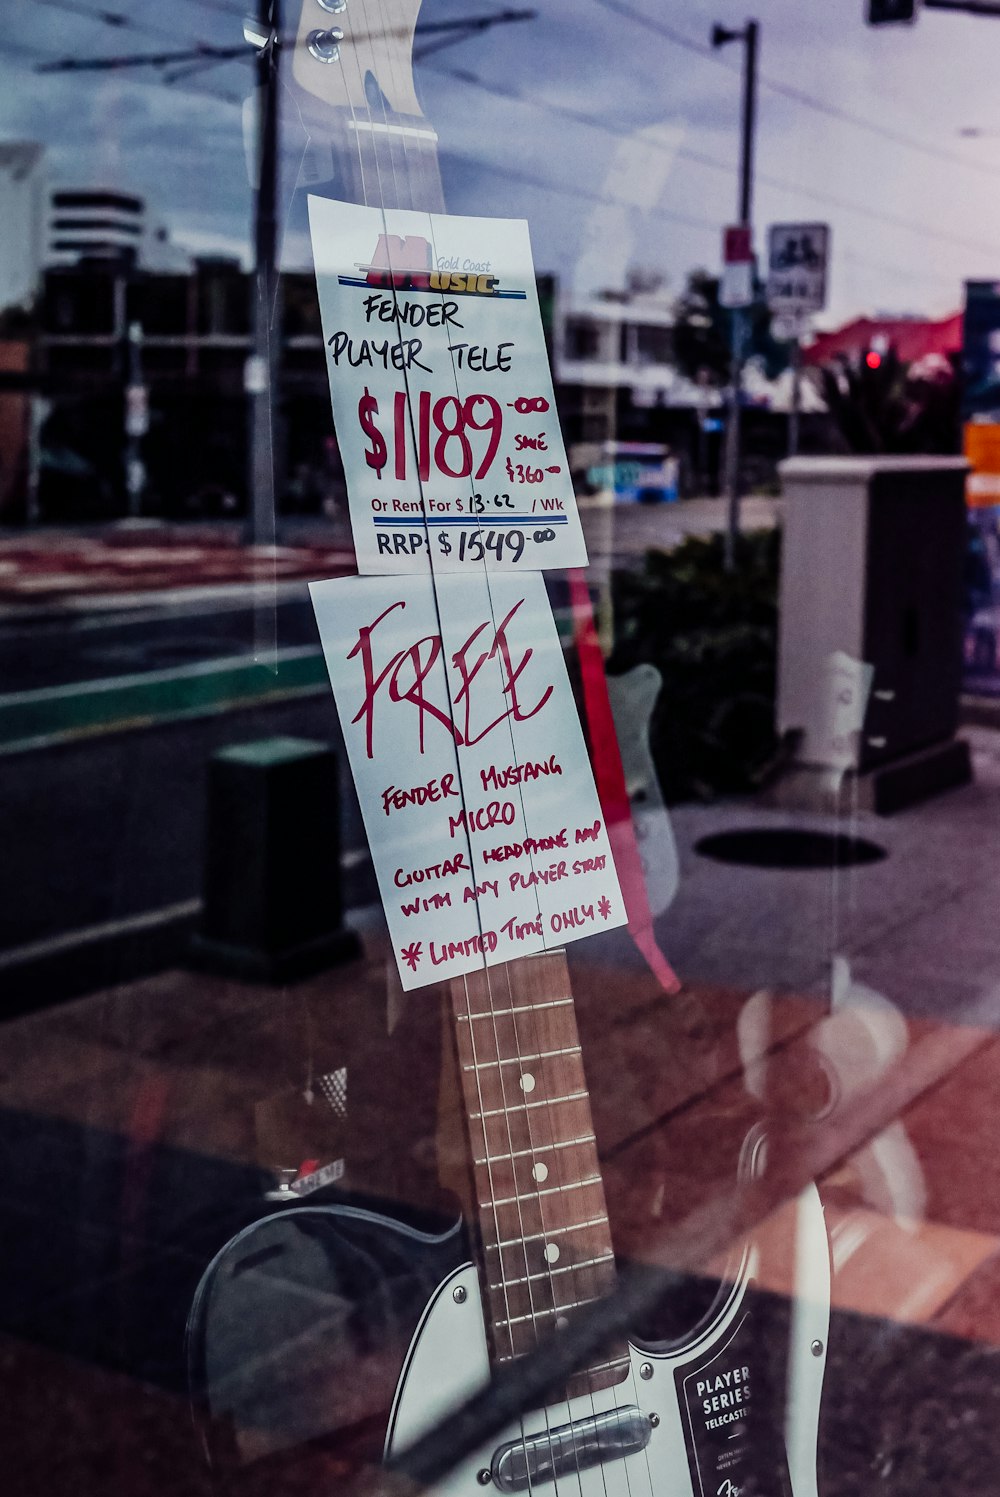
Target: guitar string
381	206
531	1118
487	1156
547	1267
584	1280
388	137
499	1069
378	173
535	1048
471	1027
424	189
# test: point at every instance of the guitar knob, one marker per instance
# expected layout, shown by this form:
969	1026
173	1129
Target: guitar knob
325	45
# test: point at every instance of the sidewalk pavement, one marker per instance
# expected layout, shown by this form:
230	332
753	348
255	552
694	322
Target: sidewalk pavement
852	1014
138	560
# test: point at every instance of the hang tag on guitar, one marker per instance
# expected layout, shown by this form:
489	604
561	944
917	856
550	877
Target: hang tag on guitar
442	395
471	768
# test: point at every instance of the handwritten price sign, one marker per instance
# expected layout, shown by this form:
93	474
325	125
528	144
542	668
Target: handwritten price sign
471	770
441	391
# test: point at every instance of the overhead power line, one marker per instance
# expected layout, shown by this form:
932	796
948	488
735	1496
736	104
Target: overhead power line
115	19
145	59
199	54
800	95
546	184
701	158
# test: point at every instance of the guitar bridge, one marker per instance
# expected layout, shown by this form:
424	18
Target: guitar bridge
568	1448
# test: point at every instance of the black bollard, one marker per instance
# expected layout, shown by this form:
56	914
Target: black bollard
273	903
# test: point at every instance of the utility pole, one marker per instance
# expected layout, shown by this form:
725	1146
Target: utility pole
749	37
262	367
796	406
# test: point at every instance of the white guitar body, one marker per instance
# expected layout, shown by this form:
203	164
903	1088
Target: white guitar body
448	1361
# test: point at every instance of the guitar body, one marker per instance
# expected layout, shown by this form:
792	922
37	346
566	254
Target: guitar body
449	1360
299	1328
337	1328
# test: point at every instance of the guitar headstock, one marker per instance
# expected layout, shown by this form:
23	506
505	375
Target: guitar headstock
351	55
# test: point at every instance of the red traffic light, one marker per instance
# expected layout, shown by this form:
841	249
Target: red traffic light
873	359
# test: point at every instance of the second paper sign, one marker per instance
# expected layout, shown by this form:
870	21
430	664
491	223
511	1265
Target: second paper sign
471	770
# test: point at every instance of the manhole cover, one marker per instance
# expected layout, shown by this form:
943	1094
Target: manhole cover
789	848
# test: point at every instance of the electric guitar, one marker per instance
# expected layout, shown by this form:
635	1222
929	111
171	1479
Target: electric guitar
317	1316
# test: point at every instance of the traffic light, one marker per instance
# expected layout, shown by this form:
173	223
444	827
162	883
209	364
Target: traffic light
891	12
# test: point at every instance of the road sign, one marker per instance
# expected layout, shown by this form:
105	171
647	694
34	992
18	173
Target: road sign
737	246
736	287
797	258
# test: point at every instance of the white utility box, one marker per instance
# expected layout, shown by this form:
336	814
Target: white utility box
871	622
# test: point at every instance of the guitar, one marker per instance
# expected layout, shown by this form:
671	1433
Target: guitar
315	1320
303	1321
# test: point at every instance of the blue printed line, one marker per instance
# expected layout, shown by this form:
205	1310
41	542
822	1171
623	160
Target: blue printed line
479	521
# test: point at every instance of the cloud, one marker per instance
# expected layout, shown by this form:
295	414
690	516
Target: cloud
897	211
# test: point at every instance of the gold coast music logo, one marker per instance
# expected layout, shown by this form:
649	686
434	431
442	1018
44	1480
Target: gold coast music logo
406	263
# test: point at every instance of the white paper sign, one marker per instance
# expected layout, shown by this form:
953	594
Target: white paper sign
471	769
442	395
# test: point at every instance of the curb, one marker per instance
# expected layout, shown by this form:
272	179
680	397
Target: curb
31	720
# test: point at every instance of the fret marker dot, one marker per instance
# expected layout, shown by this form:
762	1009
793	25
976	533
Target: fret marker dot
551	1254
527	1082
561	1323
540	1172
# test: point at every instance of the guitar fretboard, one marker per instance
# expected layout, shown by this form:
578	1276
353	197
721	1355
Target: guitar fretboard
542	1213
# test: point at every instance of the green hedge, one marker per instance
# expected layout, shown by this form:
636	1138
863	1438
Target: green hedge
712	635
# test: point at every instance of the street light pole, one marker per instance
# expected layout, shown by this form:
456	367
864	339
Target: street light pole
749	37
749	120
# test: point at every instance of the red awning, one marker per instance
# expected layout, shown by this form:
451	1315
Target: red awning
911	339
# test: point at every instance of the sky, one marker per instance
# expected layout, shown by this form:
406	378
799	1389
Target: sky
604	123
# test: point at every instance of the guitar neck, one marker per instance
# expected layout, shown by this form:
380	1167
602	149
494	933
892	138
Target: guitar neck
543	1223
369	141
542	1217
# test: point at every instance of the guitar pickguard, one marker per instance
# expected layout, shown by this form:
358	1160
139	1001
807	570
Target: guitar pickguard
695	1398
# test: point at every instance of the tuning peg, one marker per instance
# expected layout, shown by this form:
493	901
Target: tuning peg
335	7
325	45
